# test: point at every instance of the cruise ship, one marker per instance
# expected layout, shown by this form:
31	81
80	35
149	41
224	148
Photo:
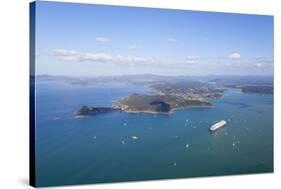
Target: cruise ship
217	125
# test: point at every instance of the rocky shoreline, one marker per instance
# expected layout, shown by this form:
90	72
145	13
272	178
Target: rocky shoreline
164	113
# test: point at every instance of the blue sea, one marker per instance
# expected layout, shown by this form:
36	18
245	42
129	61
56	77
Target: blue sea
119	146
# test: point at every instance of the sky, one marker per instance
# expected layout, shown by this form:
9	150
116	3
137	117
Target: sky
97	40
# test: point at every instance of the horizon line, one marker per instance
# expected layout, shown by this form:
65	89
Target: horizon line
159	75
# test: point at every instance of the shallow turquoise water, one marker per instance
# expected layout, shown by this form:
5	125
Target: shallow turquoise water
101	149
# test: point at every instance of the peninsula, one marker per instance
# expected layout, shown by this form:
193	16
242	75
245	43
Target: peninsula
166	98
158	104
262	89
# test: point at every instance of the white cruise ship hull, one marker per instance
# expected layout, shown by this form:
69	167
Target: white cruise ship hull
217	125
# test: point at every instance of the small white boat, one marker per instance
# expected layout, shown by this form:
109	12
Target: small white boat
217	125
79	116
135	137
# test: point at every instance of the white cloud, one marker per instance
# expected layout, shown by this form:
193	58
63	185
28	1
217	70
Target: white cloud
192	60
134	47
102	39
234	56
259	65
127	59
263	65
172	40
264	60
75	56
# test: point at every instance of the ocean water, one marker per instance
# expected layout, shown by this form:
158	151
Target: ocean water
101	149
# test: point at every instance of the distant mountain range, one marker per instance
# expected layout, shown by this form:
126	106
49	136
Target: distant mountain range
218	79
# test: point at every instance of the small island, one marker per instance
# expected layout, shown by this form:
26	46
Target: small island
85	110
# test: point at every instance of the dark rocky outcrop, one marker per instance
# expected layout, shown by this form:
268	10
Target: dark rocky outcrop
85	110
